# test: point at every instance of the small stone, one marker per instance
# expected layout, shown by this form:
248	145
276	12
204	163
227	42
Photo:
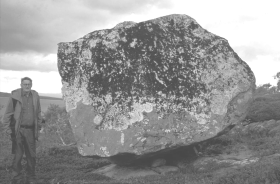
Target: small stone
165	169
124	172
158	162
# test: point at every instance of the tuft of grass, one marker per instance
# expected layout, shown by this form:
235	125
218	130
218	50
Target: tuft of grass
63	164
265	171
265	108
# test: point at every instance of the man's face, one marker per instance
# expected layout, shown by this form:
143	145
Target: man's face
26	85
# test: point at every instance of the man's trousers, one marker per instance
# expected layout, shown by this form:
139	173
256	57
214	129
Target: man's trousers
25	143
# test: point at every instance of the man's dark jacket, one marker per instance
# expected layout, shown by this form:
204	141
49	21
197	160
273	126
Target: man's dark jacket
13	114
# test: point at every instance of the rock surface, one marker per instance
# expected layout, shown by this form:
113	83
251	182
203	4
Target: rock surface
155	85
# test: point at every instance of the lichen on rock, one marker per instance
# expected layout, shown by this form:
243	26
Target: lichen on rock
143	87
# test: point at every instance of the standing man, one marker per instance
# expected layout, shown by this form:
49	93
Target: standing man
21	120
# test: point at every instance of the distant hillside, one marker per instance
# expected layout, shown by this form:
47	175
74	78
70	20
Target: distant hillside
3	94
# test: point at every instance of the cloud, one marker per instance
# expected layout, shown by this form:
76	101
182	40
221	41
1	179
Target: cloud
127	6
251	52
264	72
245	18
37	26
8	78
28	62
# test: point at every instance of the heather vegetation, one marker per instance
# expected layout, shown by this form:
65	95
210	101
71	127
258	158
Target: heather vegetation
266	103
58	160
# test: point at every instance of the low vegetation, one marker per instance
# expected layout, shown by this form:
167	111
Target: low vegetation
264	108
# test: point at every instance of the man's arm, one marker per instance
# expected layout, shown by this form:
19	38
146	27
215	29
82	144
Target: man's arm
8	115
39	116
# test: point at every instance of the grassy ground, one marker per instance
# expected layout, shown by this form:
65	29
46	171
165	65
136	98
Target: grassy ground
63	165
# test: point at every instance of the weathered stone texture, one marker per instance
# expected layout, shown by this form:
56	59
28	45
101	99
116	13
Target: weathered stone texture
143	87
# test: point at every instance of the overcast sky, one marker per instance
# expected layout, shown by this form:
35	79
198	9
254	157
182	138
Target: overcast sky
31	29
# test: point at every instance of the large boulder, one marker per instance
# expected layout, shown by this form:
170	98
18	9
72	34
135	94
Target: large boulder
139	88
